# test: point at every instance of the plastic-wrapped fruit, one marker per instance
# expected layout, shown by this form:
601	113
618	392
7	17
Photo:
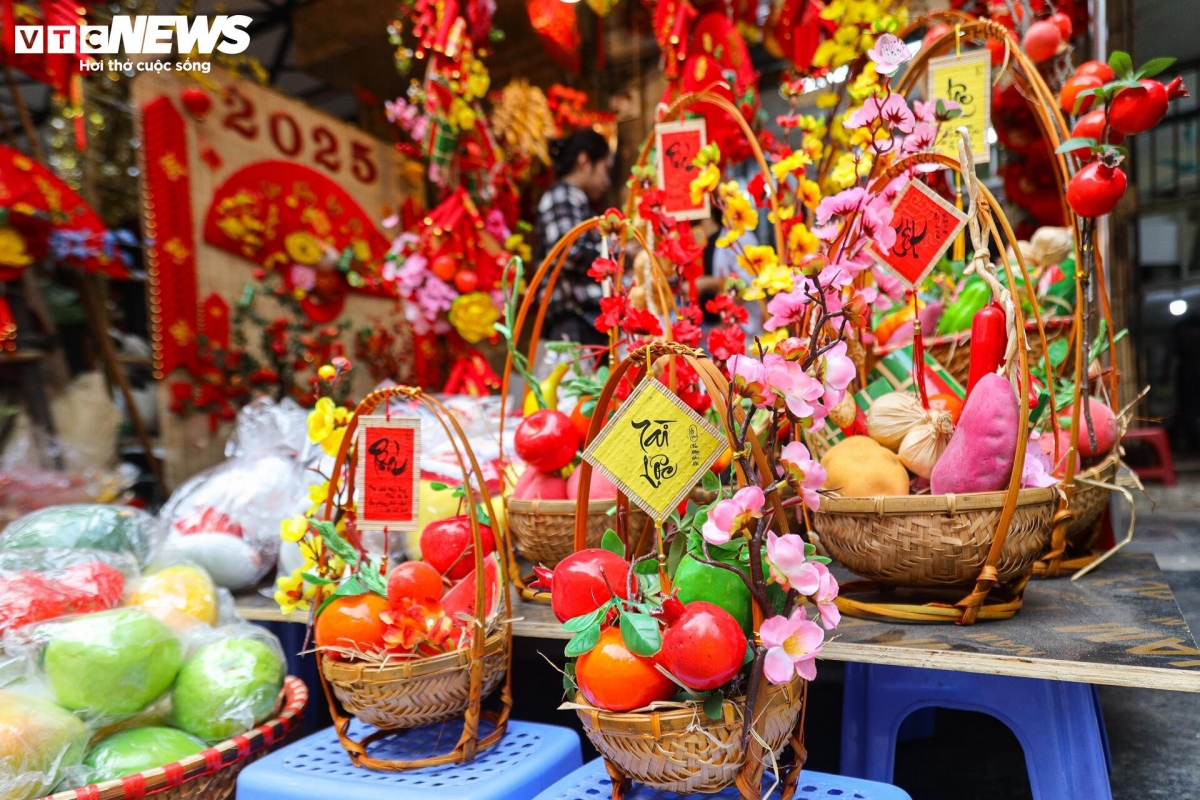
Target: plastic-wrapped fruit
137	750
38	741
112	664
226	688
613	678
179	595
705	647
119	529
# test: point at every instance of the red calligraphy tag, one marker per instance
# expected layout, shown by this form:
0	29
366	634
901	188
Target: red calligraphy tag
678	145
925	225
389	469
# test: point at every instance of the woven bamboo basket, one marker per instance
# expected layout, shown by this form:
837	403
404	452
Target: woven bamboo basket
211	775
414	693
401	694
543	531
934	541
1088	503
682	750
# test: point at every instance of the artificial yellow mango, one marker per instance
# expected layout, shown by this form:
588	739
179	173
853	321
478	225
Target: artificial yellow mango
859	466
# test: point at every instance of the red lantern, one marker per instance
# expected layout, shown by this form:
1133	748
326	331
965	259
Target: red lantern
196	101
557	25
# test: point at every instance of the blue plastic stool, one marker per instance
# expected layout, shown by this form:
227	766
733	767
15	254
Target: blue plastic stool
591	782
1058	724
529	758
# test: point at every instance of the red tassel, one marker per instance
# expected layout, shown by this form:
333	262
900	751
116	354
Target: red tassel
919	355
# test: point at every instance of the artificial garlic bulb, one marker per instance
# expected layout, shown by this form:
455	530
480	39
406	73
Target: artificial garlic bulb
924	443
894	415
1052	245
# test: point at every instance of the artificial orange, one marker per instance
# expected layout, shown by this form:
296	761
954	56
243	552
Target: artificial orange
613	678
352	623
581	422
950	403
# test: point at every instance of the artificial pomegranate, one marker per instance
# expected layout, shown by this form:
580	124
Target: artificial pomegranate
546	440
705	647
446	545
1042	41
1096	69
1097	188
1091	126
1063	23
581	582
1069	96
1138	110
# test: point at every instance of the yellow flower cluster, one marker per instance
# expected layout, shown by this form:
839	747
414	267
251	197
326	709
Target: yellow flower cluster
474	316
705	182
740	213
327	425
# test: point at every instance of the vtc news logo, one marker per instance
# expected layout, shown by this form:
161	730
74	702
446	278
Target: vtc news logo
142	34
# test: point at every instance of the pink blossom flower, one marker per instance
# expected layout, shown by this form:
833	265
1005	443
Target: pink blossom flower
730	515
804	473
793	644
825	596
876	224
496	225
842	204
837	370
896	114
892	190
787	565
749	380
923	111
795	387
786	308
888	54
922	138
888	283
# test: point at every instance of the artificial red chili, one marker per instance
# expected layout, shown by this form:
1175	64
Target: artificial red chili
989	339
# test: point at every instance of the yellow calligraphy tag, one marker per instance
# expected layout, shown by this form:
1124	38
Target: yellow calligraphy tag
966	80
655	449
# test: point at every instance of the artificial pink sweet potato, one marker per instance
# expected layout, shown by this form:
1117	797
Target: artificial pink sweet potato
982	451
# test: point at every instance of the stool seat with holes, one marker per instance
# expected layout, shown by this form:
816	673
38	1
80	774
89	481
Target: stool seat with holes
591	782
529	758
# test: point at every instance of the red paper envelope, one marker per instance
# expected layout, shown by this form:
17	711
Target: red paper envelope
925	224
678	144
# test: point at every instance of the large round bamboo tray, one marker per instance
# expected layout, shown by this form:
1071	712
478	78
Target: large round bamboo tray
543	531
211	775
934	541
409	694
682	750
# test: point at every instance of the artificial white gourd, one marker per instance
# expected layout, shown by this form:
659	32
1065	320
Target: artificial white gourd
925	442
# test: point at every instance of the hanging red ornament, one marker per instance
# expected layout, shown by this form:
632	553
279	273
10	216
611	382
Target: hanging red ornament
557	24
794	30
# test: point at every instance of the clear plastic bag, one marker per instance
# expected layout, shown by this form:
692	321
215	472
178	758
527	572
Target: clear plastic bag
39	741
179	594
128	752
264	424
104	667
38	584
226	519
229	683
118	529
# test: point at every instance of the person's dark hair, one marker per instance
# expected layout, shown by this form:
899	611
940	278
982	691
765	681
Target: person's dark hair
565	152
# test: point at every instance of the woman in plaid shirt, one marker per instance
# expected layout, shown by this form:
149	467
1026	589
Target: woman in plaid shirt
583	164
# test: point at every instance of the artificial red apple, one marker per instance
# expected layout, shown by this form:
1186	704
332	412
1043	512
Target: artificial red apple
537	485
546	440
599	487
446	545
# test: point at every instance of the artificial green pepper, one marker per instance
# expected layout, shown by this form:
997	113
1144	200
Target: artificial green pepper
975	295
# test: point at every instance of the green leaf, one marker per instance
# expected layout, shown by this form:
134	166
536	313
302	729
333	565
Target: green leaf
583	641
316	579
648	567
714	705
587	408
1153	67
821	559
749	657
373	580
710	482
612	543
1075	144
650	587
1085	94
438	486
340	547
583	621
1121	63
484	517
569	684
640	634
1120	84
351	587
1058	351
676	553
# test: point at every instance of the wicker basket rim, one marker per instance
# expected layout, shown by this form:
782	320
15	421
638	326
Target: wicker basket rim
932	504
556	506
634	723
294	696
413	668
1111	461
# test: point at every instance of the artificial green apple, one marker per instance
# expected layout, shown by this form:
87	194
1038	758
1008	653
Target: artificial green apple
226	688
137	750
38	740
111	664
